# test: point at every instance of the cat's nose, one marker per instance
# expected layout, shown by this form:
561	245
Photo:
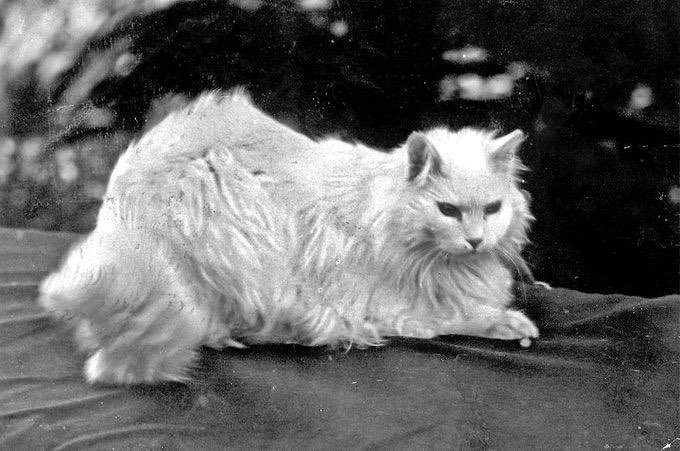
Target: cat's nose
474	242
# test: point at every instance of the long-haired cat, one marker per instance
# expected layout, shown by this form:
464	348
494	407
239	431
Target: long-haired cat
222	227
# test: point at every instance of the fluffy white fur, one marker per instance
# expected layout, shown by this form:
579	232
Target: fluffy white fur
223	227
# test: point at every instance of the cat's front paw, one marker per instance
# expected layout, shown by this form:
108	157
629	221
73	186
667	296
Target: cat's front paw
512	325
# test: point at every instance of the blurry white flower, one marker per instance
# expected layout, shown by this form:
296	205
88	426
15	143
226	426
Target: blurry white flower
500	86
339	28
30	167
66	165
98	117
248	5
674	194
31	149
468	54
85	17
52	65
152	5
641	97
476	87
125	63
315	5
471	87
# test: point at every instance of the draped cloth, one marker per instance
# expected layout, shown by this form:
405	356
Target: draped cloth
605	374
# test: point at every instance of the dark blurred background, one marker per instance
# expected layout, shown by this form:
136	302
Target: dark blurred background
595	85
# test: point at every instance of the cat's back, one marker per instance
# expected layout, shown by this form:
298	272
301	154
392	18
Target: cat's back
286	162
293	169
227	122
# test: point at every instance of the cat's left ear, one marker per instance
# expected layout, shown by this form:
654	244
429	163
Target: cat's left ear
504	150
423	159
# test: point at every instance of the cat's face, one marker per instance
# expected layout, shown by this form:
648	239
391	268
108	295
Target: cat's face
463	197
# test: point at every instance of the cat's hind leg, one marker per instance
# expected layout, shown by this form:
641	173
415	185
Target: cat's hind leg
135	304
161	345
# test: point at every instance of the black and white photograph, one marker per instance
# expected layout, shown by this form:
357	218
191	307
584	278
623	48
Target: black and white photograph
339	225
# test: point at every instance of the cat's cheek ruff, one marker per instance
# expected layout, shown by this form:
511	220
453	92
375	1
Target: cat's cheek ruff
516	236
498	227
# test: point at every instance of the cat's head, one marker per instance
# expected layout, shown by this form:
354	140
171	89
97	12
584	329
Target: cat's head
462	195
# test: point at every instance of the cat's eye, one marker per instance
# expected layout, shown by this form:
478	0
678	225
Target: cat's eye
492	208
449	210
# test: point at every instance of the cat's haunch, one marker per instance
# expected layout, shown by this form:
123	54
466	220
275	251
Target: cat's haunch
222	227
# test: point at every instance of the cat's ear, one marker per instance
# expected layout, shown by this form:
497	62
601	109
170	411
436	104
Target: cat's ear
504	150
423	159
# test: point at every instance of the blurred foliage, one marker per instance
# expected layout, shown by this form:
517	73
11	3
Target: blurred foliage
40	40
594	83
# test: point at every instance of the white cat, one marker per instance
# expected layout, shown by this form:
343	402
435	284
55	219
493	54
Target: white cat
222	226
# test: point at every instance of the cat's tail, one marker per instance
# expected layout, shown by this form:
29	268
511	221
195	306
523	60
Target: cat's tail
82	278
133	304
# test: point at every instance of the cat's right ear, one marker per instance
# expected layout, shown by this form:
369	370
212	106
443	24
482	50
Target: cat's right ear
423	159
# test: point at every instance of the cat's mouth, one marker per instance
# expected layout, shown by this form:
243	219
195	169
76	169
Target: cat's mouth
461	254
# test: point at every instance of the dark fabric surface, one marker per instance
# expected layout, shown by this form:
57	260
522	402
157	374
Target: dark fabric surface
604	375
